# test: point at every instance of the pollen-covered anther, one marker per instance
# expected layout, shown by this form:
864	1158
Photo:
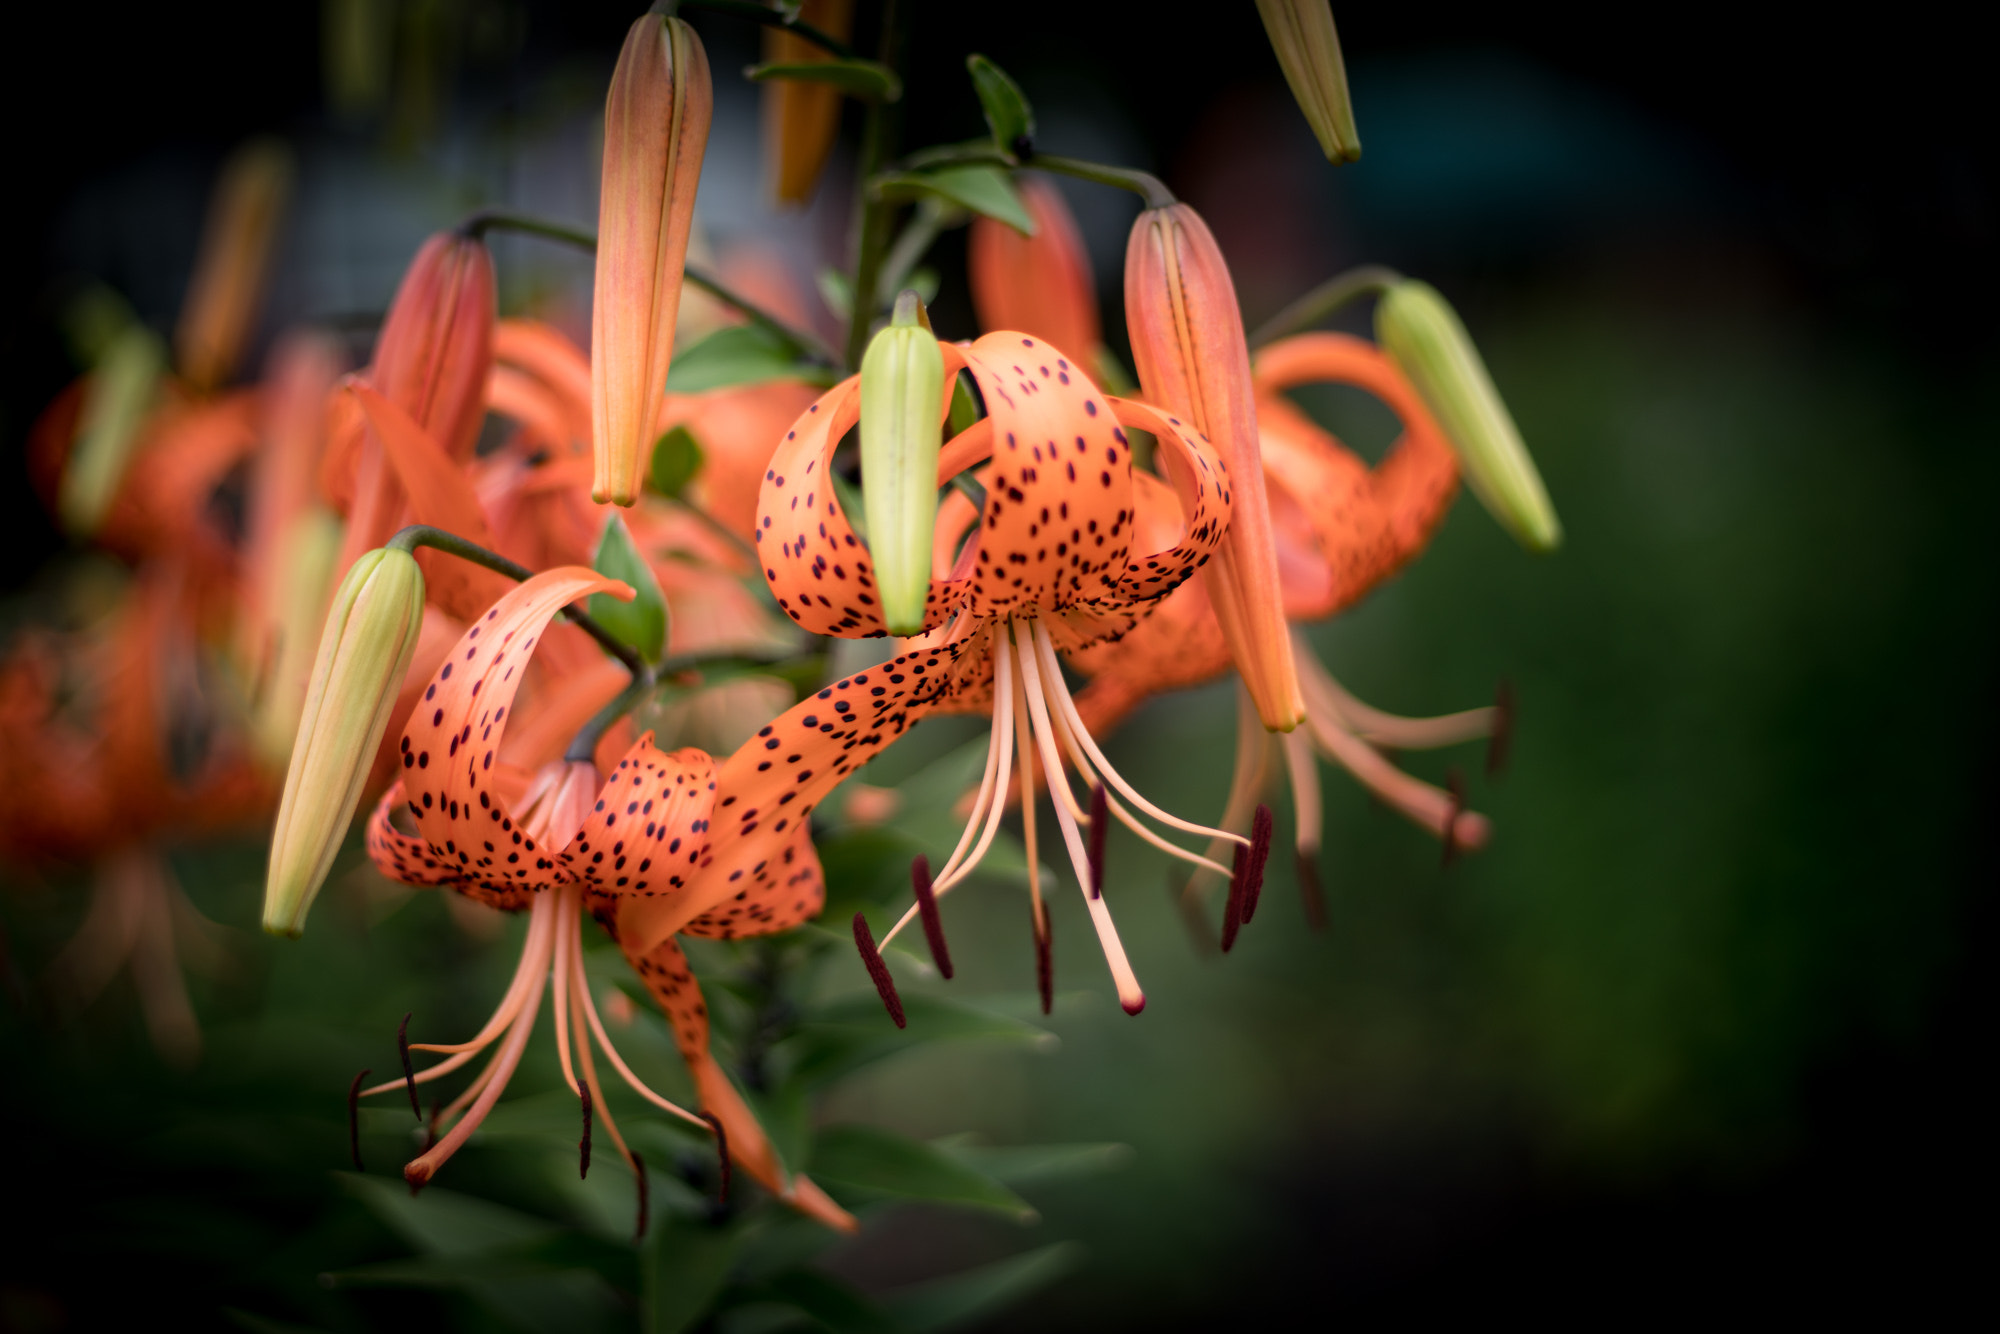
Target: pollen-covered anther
583	1145
1045	965
878	971
920	882
721	1155
1232	909
1253	862
409	1072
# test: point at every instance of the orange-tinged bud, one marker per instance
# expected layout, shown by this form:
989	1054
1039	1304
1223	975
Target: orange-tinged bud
365	648
655	130
432	360
235	254
1308	48
800	118
1187	339
1039	284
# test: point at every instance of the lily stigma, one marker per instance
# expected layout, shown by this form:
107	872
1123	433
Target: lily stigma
1068	546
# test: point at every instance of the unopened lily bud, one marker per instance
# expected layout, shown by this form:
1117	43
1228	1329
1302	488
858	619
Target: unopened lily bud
801	117
655	130
304	569
902	386
121	392
364	651
1424	335
235	252
1308	48
1193	360
1040	284
435	351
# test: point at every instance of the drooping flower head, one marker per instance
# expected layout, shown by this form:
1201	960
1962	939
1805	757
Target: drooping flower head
1072	546
558	839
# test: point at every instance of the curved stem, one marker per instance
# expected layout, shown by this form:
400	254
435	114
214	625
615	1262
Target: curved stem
1322	301
423	535
1144	184
774	18
800	342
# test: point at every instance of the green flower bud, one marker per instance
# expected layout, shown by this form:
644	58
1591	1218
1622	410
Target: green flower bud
364	652
902	391
124	385
1308	48
1429	343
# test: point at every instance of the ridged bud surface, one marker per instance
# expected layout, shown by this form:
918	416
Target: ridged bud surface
364	651
656	120
1308	48
902	385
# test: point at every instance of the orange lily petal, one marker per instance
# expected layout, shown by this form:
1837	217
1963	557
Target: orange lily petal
450	743
801	118
1039	284
649	824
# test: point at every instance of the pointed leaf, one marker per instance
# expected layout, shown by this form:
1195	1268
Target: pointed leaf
1033	1164
642	622
677	459
867	1161
443	1222
1008	114
739	354
982	189
949	1302
838	1038
863	80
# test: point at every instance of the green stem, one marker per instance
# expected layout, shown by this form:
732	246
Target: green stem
1324	300
1143	184
878	138
423	535
774	18
798	341
917	236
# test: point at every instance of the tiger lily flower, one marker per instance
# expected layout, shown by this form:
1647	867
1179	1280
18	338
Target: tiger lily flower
560	839
1341	528
656	120
1071	547
1188	343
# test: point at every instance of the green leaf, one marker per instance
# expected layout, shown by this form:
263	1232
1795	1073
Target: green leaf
863	80
1034	1164
1008	114
837	292
963	1298
642	622
836	1039
964	407
677	459
981	189
739	354
443	1222
871	1162
684	1266
834	1305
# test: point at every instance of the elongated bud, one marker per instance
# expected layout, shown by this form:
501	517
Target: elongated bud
305	563
1187	338
1308	48
1040	284
435	352
902	386
228	280
800	117
364	651
655	130
1423	333
121	392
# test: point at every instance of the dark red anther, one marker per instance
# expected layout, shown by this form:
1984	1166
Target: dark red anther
1253	866
878	972
583	1145
1454	782
409	1075
1503	728
1045	963
1232	911
1309	890
1099	817
645	1197
354	1120
920	881
722	1156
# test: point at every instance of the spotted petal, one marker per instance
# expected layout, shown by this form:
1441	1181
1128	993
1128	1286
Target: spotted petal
453	736
649	828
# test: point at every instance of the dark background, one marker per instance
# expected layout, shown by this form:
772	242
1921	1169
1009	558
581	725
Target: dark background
1823	190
